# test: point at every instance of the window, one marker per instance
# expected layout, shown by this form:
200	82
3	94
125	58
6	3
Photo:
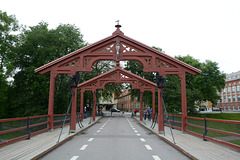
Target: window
229	89
233	99
238	88
224	90
229	99
239	98
225	107
225	100
233	88
229	108
239	107
234	107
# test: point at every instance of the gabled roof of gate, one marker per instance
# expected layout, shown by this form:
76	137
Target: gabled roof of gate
118	75
118	33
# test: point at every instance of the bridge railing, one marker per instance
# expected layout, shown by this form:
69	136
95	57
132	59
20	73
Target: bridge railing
225	132
16	129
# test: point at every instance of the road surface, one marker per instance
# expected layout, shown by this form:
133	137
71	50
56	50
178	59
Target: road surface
115	138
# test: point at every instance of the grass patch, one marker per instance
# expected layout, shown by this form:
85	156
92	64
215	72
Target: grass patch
237	142
235	128
225	116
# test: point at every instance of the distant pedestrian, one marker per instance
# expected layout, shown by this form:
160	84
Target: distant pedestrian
135	111
149	113
145	114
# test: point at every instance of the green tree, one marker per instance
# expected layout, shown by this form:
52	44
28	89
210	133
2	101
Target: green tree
198	87
38	46
204	86
8	39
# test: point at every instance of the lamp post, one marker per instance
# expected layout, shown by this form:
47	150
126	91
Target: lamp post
117	48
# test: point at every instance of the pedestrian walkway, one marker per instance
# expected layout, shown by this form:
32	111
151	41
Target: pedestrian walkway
28	149
194	146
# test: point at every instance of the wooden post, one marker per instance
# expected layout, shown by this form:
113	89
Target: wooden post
153	104
51	100
73	111
141	106
82	103
184	101
160	112
94	105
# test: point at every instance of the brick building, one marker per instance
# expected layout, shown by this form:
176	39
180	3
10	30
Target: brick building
230	96
124	102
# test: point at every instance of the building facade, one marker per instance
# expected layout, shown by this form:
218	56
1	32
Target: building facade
125	103
230	95
106	104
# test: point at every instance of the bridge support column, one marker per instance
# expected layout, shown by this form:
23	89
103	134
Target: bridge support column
94	105
82	104
141	105
160	113
184	102
73	111
153	104
51	100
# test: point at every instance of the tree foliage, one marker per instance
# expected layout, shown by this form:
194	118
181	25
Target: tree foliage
199	88
37	46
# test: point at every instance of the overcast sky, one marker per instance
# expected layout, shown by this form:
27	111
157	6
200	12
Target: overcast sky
204	29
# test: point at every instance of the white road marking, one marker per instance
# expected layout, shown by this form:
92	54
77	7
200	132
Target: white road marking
83	147
148	147
156	157
99	131
90	139
138	134
133	128
101	128
135	131
74	158
142	139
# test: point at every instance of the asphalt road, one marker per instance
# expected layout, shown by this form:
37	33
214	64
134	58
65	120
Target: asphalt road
115	138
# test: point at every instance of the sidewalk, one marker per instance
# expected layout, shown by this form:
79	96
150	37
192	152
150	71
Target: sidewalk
28	149
202	150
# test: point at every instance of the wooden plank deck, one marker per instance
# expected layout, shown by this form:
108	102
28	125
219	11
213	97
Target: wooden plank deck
28	149
195	146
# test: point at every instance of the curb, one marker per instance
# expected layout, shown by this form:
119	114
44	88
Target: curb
63	141
169	142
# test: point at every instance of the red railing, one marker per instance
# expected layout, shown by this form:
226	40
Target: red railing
225	132
16	129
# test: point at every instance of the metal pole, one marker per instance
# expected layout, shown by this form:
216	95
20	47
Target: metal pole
28	132
205	129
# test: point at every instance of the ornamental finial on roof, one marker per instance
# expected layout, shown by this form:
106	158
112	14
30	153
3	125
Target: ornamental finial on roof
118	26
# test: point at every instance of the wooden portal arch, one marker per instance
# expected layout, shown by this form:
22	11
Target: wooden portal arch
117	75
83	59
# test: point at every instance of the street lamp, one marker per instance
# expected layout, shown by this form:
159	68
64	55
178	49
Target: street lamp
117	48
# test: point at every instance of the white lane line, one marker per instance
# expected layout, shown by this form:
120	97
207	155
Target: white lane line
90	139
148	147
134	128
135	131
156	157
99	131
74	158
101	128
142	139
138	134
83	147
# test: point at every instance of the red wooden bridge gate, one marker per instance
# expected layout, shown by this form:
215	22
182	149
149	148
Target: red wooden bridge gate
117	47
